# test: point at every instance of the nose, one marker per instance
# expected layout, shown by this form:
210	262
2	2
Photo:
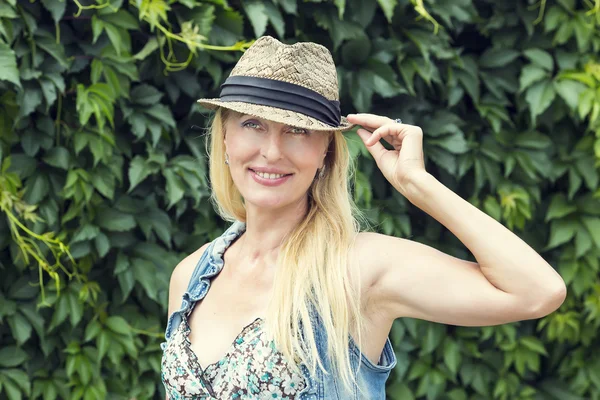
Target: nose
271	149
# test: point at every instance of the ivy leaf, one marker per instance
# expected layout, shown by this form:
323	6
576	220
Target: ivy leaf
559	208
541	58
592	224
497	57
56	8
255	10
388	8
8	65
203	16
539	97
561	231
58	157
114	220
145	95
12	356
570	91
339	30
452	356
138	171
175	188
118	325
531	74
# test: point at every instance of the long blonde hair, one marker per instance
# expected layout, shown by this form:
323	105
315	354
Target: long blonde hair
314	269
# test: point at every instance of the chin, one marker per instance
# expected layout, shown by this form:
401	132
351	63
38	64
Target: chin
268	201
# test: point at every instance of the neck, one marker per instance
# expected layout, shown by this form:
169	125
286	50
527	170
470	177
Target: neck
267	228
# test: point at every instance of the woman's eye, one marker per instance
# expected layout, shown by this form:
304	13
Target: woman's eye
250	124
299	131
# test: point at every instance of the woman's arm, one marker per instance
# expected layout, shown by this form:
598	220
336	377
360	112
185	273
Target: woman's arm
509	282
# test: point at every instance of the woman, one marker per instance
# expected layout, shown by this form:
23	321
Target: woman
300	302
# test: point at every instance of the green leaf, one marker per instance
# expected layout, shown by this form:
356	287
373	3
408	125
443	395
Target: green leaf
255	10
533	344
144	272
56	8
47	42
559	207
114	220
561	231
339	30
92	330
541	58
150	47
162	113
531	74
75	308
388	8
8	65
275	18
570	91
20	328
455	143
58	157
497	57
12	390
592	225
12	356
203	16
175	187
540	96
102	342
86	232
452	356
102	244
399	391
118	325
341	6
533	140
145	95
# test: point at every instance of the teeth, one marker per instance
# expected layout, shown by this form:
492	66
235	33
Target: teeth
268	176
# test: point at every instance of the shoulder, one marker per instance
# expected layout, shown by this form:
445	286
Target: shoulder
181	275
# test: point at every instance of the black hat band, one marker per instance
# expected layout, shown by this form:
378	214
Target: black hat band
284	95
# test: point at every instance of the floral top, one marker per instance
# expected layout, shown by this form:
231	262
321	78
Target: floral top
251	369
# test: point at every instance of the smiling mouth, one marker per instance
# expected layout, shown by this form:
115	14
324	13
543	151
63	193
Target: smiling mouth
266	175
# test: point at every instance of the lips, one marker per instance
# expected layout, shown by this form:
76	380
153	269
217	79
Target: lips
269	174
269	178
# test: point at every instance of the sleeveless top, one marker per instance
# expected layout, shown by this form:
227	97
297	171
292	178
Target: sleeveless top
253	366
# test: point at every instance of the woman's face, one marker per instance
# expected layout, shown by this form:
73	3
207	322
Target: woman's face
272	164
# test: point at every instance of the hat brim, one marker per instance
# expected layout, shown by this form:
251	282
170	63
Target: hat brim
274	114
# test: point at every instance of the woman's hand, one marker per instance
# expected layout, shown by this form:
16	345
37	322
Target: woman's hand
405	161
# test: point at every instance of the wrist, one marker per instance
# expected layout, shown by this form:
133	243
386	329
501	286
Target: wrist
417	185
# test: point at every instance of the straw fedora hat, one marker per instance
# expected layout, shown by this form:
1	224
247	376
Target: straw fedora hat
294	85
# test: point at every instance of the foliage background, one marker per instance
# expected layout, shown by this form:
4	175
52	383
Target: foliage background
99	154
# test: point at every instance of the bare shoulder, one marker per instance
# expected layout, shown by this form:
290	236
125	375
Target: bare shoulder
180	277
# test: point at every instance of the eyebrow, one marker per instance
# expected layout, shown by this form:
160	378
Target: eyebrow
263	120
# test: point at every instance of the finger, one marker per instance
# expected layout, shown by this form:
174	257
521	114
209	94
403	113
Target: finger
368	120
388	132
376	149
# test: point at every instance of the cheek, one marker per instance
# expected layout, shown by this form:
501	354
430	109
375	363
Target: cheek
307	151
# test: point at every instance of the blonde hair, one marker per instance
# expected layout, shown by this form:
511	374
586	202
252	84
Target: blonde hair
314	268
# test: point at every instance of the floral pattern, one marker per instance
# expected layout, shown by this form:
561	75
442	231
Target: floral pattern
251	369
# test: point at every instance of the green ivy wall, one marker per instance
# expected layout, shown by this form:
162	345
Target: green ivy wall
103	181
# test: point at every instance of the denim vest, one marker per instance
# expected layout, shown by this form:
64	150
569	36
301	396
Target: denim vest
320	386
